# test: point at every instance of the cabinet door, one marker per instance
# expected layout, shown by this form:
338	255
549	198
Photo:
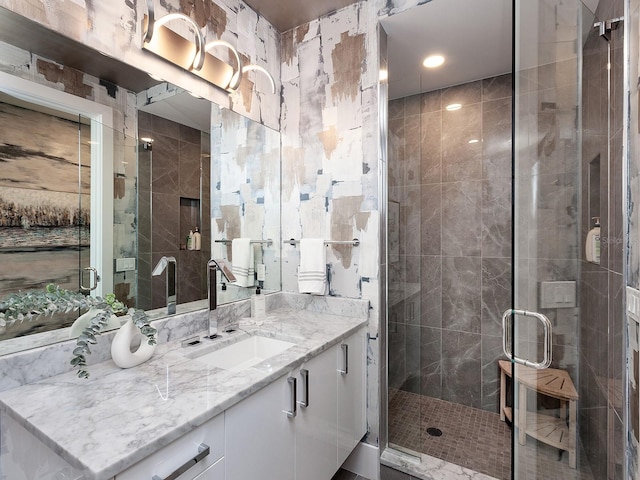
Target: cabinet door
260	436
351	394
316	423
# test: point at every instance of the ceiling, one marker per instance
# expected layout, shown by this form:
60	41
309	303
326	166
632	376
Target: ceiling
476	44
474	35
287	14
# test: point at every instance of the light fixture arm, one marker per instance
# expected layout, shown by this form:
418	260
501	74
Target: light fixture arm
198	59
234	83
258	68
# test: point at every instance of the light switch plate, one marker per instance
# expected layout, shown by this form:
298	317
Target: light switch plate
125	264
558	294
633	304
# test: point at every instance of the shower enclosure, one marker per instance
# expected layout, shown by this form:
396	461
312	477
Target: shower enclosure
489	209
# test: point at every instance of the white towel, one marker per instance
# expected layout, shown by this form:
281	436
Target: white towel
312	274
242	262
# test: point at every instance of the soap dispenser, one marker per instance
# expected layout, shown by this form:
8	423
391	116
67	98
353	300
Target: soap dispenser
197	240
190	245
258	305
592	245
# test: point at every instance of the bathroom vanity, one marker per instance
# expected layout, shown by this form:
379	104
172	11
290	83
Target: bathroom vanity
296	414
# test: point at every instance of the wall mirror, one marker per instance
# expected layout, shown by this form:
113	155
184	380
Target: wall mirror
188	164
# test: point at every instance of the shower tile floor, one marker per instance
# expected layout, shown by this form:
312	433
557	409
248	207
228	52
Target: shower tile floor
473	438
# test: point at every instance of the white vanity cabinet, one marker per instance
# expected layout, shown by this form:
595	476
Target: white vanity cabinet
260	441
352	415
195	454
301	426
317	418
304	425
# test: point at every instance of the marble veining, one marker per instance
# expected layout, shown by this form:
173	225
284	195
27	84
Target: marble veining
429	468
148	407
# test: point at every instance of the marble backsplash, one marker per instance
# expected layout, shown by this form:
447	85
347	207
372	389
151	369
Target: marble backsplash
36	364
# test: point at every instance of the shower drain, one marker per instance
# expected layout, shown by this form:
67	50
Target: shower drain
434	432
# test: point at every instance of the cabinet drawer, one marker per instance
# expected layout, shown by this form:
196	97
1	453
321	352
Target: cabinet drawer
168	459
214	472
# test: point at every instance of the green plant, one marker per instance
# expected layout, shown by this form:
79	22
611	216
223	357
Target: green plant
31	305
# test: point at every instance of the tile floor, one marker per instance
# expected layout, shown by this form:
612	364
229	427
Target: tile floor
472	438
346	475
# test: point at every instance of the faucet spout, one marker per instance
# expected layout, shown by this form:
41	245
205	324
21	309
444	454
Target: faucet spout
212	287
171	265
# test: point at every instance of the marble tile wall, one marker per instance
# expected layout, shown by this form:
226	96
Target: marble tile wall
177	199
451	262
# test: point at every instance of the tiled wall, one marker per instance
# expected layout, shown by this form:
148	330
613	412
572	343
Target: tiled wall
179	175
602	348
449	263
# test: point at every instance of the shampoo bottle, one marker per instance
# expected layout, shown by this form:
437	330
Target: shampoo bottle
190	240
197	240
592	245
258	305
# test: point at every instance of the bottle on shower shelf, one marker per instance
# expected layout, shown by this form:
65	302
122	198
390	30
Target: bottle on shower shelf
197	240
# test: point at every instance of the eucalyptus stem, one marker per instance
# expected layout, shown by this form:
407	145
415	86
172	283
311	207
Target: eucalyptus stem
31	305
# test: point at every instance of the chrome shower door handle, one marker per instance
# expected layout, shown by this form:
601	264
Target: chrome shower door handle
507	339
94	280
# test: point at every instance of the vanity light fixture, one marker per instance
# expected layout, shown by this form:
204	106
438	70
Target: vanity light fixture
453	107
433	61
384	75
234	83
258	68
193	57
473	140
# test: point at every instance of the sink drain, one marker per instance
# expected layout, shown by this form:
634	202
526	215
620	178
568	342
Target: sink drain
434	432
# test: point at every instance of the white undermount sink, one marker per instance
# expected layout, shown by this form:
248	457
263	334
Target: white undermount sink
245	353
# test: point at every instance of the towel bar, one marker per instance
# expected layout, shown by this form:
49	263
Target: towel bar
268	241
355	242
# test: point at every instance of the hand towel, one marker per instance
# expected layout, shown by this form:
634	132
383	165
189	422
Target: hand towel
312	274
242	262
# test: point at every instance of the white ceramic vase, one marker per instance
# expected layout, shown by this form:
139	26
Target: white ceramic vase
121	346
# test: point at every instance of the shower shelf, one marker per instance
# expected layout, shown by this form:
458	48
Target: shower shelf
552	382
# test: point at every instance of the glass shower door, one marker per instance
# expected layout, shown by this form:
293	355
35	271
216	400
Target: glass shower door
552	206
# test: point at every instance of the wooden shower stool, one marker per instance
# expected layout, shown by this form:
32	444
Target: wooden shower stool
551	382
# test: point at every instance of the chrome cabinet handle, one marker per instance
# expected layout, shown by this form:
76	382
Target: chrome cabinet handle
304	373
507	340
345	354
94	280
294	404
203	451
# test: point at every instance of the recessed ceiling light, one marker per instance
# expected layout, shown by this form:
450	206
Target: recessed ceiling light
433	61
453	106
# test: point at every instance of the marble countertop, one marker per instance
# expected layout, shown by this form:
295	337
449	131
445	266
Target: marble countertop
118	417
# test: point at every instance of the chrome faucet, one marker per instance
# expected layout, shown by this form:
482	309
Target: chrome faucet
212	286
171	265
